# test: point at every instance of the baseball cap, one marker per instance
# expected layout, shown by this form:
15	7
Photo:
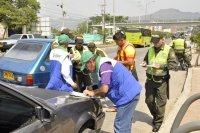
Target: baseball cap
156	37
79	39
91	45
67	32
63	39
86	56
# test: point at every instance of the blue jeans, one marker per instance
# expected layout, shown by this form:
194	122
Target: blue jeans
124	116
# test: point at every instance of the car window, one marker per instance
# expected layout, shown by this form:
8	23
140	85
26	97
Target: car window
24	51
14	112
109	37
24	37
30	36
47	57
14	37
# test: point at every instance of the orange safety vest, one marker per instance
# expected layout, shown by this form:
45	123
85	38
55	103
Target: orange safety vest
121	55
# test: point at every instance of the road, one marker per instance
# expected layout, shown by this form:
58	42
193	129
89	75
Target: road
142	122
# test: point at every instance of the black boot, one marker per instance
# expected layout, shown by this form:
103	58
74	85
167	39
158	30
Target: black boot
156	128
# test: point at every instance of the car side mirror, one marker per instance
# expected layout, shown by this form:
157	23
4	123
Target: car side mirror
44	115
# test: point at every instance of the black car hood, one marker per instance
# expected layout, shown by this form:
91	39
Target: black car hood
50	97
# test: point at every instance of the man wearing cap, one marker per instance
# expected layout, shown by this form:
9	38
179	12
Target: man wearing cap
67	32
92	47
63	32
78	75
118	84
159	59
126	55
61	67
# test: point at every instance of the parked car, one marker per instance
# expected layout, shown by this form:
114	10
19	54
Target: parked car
34	110
27	63
8	43
109	39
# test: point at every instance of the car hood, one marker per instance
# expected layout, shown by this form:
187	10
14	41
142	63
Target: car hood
14	65
9	40
49	97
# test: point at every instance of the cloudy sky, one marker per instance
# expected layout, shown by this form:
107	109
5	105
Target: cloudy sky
87	8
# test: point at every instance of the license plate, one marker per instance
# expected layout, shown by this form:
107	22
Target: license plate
1	45
8	75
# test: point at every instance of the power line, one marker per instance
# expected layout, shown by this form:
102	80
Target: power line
69	13
56	3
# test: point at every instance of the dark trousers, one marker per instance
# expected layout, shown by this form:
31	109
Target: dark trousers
134	73
156	99
82	79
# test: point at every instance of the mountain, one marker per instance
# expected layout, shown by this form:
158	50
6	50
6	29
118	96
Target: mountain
69	23
168	15
161	15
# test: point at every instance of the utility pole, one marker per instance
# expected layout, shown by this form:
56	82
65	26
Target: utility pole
113	17
103	19
62	15
146	9
139	7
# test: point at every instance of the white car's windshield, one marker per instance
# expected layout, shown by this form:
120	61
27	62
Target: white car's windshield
14	37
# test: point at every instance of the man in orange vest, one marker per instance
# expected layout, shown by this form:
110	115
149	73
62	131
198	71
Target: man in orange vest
126	55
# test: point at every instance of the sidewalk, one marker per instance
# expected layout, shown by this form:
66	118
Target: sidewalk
191	87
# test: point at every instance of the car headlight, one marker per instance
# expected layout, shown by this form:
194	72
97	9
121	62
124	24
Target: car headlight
10	43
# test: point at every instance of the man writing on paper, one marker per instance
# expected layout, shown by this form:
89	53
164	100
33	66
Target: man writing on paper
118	84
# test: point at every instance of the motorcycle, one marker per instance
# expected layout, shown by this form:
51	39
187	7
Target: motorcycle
183	64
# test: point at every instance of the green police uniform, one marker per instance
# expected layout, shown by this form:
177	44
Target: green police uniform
80	76
100	52
157	80
179	46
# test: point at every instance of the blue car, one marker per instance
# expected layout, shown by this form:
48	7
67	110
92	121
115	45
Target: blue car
27	63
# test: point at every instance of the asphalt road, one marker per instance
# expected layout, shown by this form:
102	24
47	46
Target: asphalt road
142	122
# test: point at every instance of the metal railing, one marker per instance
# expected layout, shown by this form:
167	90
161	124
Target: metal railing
188	127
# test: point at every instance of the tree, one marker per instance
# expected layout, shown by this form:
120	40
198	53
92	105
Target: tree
97	20
108	19
82	27
16	13
196	38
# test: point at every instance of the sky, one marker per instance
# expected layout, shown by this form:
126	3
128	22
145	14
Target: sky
131	8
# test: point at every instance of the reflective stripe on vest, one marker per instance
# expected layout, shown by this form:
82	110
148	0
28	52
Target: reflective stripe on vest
77	53
95	51
121	55
160	58
178	44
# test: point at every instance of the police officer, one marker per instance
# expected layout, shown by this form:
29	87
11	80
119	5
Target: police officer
159	59
179	44
92	47
68	32
63	32
78	75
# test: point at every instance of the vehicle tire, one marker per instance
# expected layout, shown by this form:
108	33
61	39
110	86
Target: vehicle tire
183	65
84	130
190	57
3	50
87	130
